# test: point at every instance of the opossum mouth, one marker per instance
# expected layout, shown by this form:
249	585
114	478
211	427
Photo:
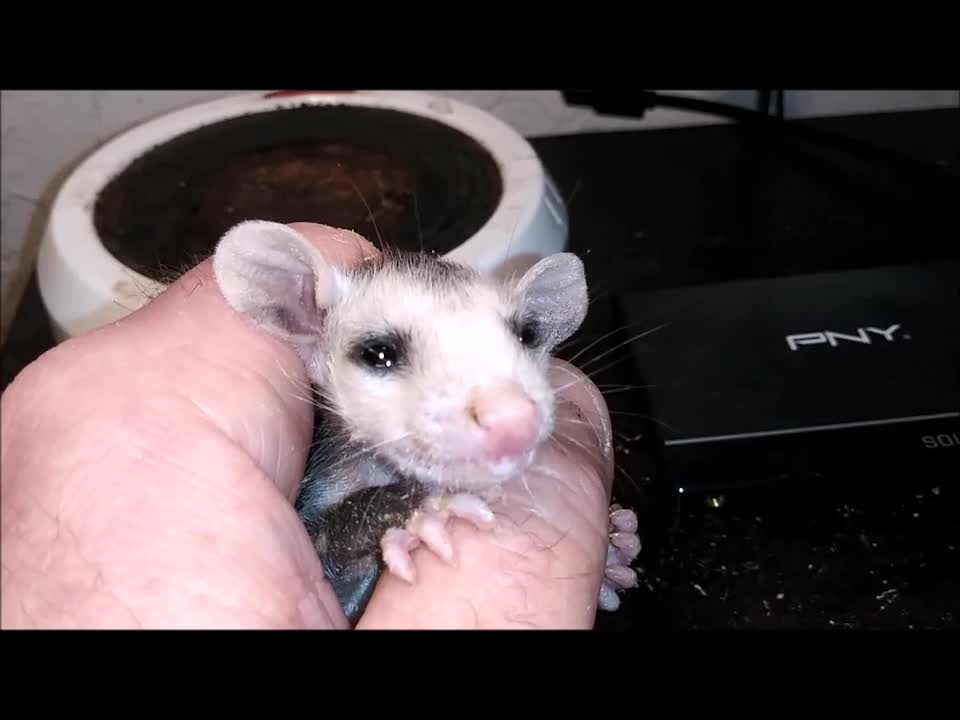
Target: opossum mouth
426	454
462	473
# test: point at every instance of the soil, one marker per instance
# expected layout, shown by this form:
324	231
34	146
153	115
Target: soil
424	184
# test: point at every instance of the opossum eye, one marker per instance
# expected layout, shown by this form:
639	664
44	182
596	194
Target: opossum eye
381	352
379	356
529	335
528	332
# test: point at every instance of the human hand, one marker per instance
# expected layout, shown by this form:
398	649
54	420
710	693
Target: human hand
149	469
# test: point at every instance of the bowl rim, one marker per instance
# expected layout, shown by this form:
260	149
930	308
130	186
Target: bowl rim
77	244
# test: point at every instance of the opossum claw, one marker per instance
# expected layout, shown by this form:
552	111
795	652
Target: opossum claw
428	525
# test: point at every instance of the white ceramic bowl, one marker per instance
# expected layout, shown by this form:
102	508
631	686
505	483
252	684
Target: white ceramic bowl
84	287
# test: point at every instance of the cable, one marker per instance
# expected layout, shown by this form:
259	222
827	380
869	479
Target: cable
639	104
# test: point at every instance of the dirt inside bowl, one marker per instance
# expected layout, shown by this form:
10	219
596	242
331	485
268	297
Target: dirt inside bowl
394	177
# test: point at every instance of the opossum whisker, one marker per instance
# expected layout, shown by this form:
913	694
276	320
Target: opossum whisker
620	345
569	372
325	408
513	234
544	469
371	503
368	450
623	388
559	439
322	402
552	438
626	413
300	384
314	401
652	419
577	379
573	193
569	343
610	365
301	398
560	445
584	337
416	214
594	296
617	433
572	458
525	482
373	220
590	375
627	475
616	464
571	439
607	389
534	506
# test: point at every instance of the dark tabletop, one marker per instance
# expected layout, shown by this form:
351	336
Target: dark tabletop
681	206
685	206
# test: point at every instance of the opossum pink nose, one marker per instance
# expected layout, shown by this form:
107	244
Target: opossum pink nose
508	419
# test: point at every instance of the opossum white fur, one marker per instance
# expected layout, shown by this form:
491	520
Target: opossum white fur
449	332
418	364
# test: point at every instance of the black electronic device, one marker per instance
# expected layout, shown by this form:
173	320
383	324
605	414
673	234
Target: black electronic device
804	377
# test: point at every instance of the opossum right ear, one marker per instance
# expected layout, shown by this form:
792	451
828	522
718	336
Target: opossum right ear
555	292
276	277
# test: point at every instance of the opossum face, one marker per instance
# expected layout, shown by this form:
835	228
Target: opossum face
438	369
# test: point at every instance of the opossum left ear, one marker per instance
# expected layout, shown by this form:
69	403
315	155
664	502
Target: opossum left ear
554	291
276	277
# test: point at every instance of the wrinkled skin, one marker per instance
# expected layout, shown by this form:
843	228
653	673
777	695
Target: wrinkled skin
149	470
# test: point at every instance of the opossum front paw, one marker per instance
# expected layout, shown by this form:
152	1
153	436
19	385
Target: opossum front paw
623	549
428	525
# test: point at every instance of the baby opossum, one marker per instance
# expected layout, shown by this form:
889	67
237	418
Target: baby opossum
431	392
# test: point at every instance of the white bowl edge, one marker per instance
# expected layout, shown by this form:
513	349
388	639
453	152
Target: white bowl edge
83	286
